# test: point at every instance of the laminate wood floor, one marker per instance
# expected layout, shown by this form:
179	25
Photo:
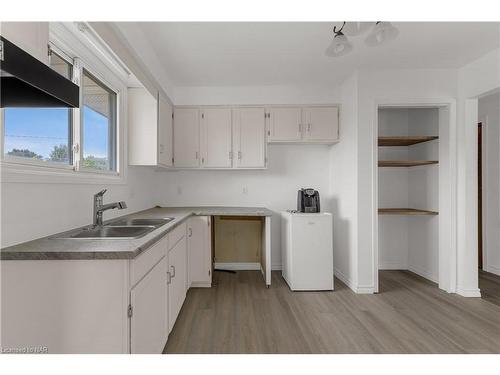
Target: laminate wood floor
490	287
410	315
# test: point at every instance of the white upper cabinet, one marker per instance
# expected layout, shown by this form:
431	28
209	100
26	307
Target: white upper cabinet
321	124
32	37
149	129
312	124
216	132
249	138
187	137
165	132
285	124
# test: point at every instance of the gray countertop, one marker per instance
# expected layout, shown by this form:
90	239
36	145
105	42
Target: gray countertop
52	249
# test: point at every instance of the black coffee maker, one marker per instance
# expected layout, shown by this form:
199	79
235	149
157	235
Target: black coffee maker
308	200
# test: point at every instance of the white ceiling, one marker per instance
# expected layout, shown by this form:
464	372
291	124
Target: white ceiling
284	53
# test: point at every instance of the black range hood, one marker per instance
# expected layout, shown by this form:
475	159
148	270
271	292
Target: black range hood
27	82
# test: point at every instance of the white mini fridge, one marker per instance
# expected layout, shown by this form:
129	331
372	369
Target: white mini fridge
307	250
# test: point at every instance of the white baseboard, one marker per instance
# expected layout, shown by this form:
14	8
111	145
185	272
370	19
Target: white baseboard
493	269
469	292
238	266
392	266
365	290
201	285
276	267
424	273
347	281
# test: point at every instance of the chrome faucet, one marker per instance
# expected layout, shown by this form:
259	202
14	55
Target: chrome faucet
99	207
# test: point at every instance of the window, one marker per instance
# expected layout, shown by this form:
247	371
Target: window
79	140
42	134
98	125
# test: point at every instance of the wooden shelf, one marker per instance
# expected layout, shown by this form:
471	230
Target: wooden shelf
405	211
405	163
404	141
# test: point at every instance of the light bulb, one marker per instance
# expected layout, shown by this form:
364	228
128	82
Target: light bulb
382	33
340	46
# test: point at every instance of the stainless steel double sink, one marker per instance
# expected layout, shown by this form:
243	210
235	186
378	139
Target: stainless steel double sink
126	228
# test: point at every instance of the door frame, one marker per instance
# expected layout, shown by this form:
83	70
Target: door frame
483	120
447	241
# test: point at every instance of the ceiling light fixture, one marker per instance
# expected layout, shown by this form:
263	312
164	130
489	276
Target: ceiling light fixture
340	45
382	33
356	28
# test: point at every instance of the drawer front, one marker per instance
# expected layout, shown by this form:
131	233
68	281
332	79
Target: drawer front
176	235
147	260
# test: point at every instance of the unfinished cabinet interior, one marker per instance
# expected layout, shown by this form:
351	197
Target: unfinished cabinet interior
408	189
149	128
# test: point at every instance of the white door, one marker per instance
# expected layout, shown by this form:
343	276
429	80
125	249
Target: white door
321	123
285	124
216	138
165	132
177	286
149	324
186	138
249	138
199	252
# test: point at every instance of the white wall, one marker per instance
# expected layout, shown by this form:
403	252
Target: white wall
489	114
34	210
343	186
474	79
291	167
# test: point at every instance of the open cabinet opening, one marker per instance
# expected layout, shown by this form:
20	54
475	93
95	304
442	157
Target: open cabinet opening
408	190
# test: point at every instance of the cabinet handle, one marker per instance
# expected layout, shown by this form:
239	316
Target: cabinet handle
169	278
309	128
202	160
173	269
196	155
230	155
300	128
190	232
239	155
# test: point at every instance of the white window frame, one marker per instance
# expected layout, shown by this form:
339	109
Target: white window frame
67	42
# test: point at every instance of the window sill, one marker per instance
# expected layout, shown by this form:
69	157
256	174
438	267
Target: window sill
15	172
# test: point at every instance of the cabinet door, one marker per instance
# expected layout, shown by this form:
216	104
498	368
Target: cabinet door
285	124
321	123
32	37
216	138
186	138
250	138
142	127
177	287
165	132
199	252
149	321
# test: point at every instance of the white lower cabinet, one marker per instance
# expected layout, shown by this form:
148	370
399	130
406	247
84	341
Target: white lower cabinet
149	318
199	252
177	272
104	305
